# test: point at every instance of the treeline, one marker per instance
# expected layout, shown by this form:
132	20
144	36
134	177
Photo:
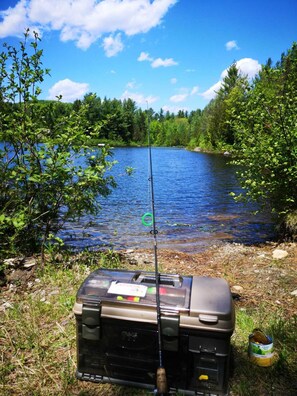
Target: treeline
213	128
120	122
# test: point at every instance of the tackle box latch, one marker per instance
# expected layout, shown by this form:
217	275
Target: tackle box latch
91	314
170	331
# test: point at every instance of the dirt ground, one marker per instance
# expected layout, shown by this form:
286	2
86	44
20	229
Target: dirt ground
256	273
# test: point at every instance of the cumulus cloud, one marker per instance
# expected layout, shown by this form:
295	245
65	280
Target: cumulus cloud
163	62
210	93
230	45
247	67
184	94
158	62
69	90
139	98
144	56
112	45
178	98
84	22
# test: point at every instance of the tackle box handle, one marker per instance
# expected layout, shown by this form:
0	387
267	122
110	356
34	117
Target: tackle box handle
165	280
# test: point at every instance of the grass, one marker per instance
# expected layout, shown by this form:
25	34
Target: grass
38	339
279	379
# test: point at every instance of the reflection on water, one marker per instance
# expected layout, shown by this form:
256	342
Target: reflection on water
192	204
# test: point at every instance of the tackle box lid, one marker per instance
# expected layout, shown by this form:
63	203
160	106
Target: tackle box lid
199	301
135	287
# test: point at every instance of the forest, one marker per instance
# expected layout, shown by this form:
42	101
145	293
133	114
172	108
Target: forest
41	188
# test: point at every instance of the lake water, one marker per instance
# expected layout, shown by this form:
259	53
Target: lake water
192	204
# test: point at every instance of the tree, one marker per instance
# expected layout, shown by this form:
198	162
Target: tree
266	131
229	81
140	127
129	109
45	179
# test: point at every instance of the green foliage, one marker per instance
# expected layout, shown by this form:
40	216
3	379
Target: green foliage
129	170
266	137
48	174
216	124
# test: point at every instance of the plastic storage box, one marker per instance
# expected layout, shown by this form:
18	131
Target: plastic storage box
117	341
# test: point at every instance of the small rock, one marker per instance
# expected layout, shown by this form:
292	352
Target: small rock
54	293
59	258
279	254
12	288
147	261
42	296
7	305
29	262
237	288
294	293
13	262
129	251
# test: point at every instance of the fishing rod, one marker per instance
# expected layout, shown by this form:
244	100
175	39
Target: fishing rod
161	380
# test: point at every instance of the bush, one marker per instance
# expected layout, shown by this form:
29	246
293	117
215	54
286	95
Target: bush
48	174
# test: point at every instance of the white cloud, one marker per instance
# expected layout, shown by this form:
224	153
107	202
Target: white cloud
84	22
194	90
173	80
230	45
158	62
113	45
163	62
247	67
184	94
131	84
211	92
69	90
139	98
144	56
178	98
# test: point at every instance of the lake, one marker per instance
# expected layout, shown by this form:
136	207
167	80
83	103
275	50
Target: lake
192	205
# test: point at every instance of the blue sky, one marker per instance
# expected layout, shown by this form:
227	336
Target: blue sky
169	54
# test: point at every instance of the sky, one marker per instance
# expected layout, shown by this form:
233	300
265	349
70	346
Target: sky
163	54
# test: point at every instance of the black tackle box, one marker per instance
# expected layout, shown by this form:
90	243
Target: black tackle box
117	339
